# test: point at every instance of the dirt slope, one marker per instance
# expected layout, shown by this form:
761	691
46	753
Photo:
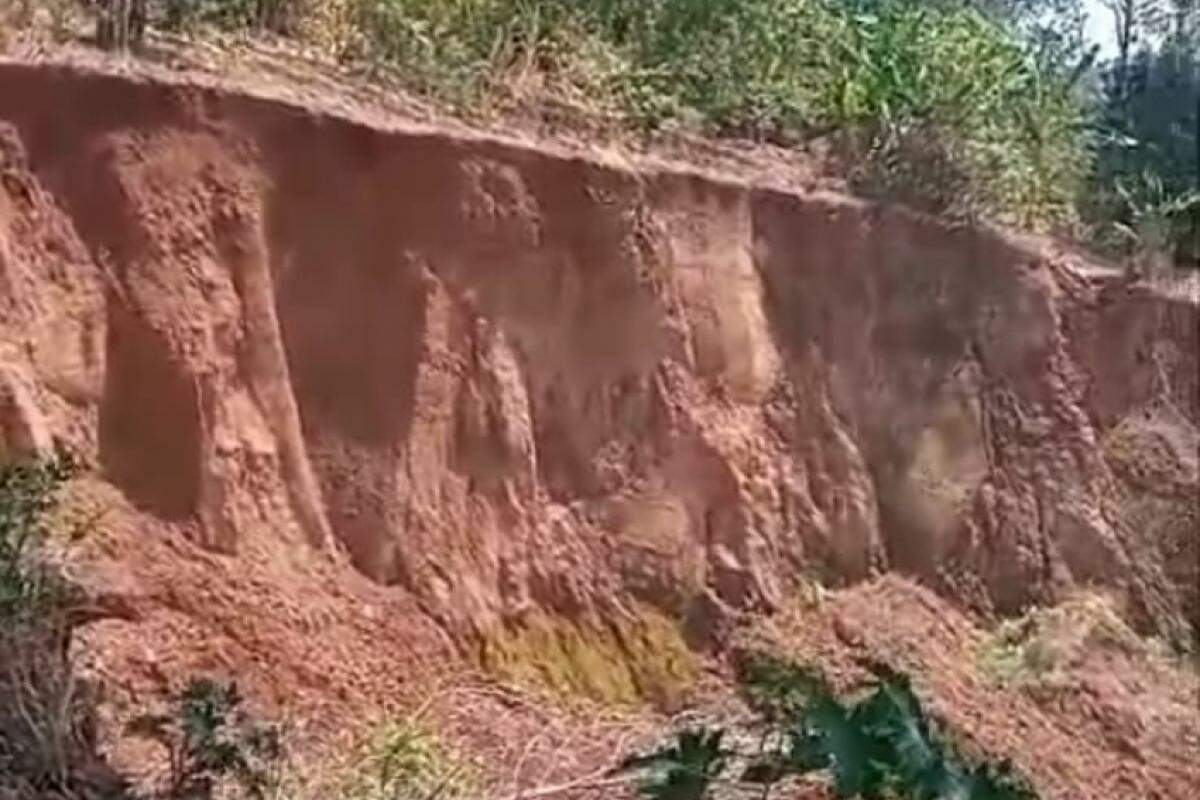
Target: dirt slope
513	385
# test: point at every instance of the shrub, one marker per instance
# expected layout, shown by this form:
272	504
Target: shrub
880	745
1141	197
46	723
684	769
47	718
1159	221
1040	650
210	740
29	491
940	103
53	18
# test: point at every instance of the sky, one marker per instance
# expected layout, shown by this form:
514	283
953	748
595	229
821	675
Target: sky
1100	28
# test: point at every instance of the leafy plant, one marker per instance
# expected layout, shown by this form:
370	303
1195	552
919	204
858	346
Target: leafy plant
683	770
210	738
1156	217
46	711
28	492
880	745
1145	173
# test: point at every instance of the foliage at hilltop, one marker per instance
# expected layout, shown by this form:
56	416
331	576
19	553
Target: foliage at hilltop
938	104
996	110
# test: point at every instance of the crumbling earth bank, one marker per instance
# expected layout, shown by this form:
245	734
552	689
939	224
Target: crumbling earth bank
509	380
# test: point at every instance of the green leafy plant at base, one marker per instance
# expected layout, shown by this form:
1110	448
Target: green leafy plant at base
880	745
683	770
210	739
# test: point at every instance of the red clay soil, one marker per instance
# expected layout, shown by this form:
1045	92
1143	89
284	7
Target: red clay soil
359	397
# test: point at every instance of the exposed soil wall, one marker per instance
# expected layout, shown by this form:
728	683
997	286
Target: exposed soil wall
507	380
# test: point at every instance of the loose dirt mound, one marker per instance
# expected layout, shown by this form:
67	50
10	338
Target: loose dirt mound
513	387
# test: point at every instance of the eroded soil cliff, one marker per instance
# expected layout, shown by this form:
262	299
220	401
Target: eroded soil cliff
515	385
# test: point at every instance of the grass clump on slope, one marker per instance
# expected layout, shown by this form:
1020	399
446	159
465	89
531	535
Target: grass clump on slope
619	662
1042	649
405	760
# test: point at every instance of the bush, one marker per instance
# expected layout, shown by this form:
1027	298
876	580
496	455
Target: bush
29	587
1042	650
211	740
1142	198
880	745
46	721
53	19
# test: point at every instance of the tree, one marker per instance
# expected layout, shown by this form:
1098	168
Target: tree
1143	27
1147	176
121	24
1054	28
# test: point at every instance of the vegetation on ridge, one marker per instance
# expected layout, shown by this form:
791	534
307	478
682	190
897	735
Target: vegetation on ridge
976	109
938	104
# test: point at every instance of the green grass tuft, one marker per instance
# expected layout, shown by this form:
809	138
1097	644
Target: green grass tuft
405	760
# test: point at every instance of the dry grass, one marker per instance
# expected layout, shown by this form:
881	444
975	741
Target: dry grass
394	759
622	661
44	714
1043	649
475	739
